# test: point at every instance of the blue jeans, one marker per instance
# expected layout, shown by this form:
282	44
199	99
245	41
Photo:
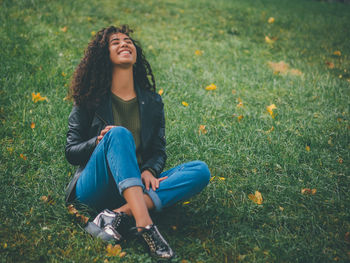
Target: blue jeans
113	167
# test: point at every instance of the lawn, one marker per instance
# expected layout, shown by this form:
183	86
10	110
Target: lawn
294	154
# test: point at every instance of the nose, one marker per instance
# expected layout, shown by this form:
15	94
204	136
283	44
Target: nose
123	43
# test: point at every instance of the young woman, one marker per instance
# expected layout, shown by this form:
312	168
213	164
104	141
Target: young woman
116	134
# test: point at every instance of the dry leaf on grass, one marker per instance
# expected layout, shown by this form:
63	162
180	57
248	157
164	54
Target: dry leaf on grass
256	198
211	87
283	68
73	211
113	251
308	191
202	129
330	64
270	20
37	97
269	40
270	109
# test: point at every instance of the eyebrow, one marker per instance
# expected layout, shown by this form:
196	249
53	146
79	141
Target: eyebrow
126	38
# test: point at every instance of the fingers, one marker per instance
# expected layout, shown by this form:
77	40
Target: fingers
150	181
104	131
162	179
154	183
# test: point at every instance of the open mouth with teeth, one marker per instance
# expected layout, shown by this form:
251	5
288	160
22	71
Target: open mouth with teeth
123	52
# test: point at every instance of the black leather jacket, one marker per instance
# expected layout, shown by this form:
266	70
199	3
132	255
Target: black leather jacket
85	126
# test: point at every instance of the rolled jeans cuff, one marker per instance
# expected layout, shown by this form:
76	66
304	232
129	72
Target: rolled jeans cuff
129	182
155	199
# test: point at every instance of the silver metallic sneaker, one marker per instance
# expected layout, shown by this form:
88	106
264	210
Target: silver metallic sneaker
109	226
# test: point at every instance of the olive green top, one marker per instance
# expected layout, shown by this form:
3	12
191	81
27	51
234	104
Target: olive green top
126	114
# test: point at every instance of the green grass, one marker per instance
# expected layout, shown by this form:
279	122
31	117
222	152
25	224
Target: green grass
221	224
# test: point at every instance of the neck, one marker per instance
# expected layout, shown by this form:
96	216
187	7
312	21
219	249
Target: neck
123	83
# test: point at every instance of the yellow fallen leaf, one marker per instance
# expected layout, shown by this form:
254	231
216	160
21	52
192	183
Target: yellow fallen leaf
23	156
330	64
202	129
270	20
271	130
337	53
281	208
48	199
44	198
93	33
63	74
295	72
32	125
222	178
113	251
160	92
186	203
64	29
82	218
308	191
240	117
307	148
72	210
210	87
256	198
174	228
269	40
270	109
10	149
198	52
37	97
5	245
122	254
279	67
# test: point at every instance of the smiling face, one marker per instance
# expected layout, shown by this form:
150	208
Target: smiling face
122	51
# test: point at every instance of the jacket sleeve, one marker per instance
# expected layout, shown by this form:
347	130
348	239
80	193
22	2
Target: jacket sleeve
157	161
79	146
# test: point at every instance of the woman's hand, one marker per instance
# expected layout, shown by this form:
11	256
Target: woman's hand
149	180
103	132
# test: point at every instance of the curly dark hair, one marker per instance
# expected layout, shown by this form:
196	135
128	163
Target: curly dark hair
93	77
